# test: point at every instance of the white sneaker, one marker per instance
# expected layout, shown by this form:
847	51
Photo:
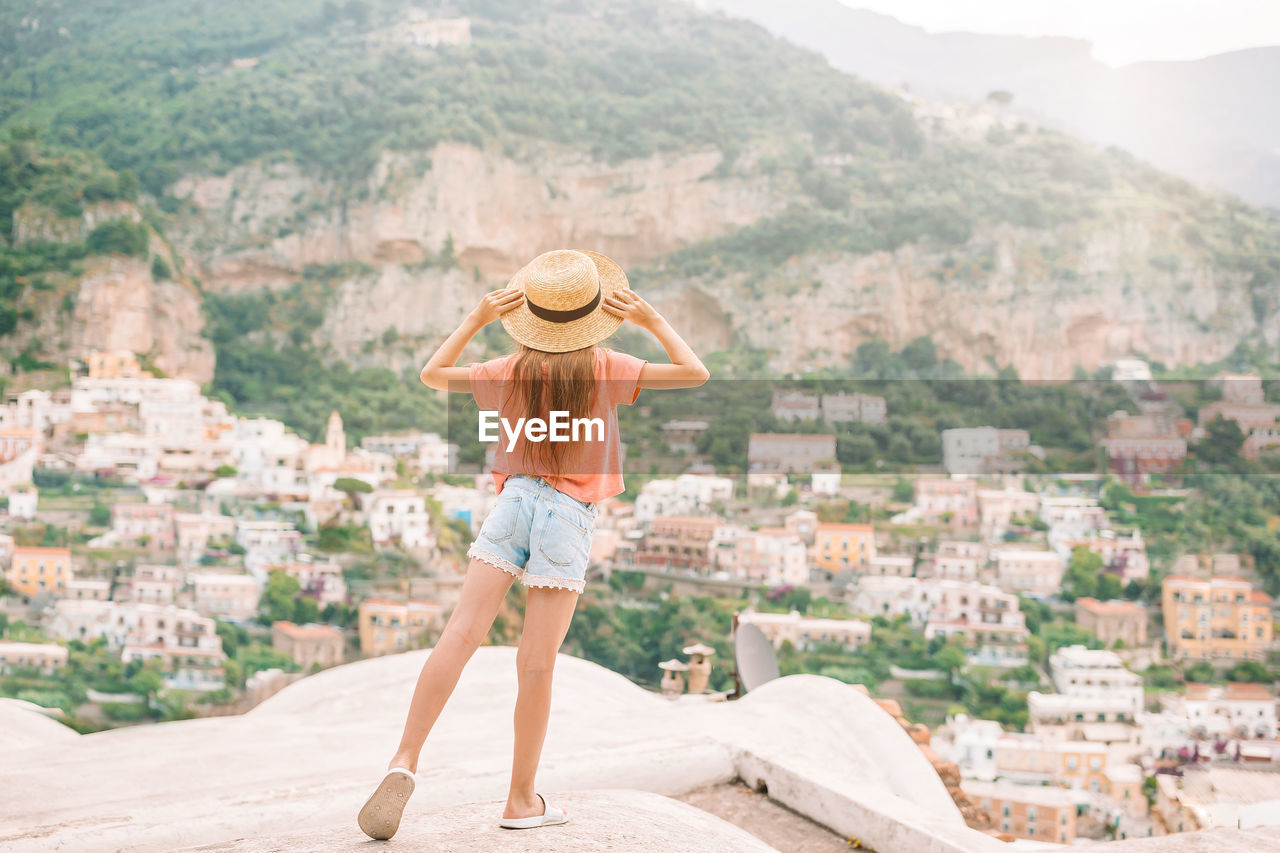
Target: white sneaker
550	817
380	816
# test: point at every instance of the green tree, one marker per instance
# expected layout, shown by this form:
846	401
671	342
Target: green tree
277	598
1081	577
1222	442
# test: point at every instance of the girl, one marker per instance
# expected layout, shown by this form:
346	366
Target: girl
557	308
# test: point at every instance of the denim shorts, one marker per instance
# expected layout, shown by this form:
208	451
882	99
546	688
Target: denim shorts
537	533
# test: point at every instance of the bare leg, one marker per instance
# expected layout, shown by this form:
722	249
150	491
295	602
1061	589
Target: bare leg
482	592
546	621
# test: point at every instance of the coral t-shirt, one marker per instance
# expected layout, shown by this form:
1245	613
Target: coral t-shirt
595	469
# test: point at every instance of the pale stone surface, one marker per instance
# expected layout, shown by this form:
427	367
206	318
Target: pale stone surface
22	727
598	820
309	756
1263	840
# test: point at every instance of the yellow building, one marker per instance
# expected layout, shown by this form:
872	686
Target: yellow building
1083	764
117	364
387	627
38	570
844	546
1218	618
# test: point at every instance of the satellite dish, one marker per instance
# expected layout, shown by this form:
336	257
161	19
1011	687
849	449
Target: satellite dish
754	656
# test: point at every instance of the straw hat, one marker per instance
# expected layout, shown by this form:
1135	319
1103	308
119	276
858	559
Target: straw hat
563	294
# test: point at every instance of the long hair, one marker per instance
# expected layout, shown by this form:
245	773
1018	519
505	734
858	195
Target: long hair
545	382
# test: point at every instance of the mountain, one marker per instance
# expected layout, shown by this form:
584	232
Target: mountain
338	183
1211	120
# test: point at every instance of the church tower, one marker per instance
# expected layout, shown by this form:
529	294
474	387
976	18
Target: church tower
335	440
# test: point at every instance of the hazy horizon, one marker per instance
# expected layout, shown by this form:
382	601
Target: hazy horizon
1120	32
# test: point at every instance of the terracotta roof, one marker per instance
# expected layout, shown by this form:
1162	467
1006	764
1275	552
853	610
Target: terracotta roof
1112	607
852	528
1246	690
36	549
303	632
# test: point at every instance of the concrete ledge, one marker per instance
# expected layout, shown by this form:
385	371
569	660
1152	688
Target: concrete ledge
1221	840
609	819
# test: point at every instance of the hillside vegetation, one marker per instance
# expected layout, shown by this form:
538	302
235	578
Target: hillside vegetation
162	90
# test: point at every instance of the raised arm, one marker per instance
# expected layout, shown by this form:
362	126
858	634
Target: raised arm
441	370
685	370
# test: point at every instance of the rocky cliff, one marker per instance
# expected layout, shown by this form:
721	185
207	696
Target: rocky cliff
108	301
431	232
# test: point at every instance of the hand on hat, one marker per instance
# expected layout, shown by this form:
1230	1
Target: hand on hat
497	303
628	305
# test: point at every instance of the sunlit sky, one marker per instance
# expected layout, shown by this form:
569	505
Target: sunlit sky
1122	31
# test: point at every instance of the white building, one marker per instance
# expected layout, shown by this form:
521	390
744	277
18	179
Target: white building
998	507
1235	710
688	494
770	555
988	619
889	596
398	516
46	658
805	633
1093	687
1035	573
23	501
1071	516
230	597
428	452
195	530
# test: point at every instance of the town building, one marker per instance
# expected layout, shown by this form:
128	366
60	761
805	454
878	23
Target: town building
1093	687
892	565
844	547
1215	619
319	579
987	620
309	645
790	453
983	450
1034	573
388	627
805	633
1234	710
769	555
185	643
688	494
957	560
1028	811
230	597
44	658
952	502
143	525
194	531
427	452
1139	446
679	542
35	571
1125	556
998	508
1116	623
1209	795
853	408
152	584
795	406
889	596
398	517
683	436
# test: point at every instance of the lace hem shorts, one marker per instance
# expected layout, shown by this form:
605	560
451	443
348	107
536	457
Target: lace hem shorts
537	533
